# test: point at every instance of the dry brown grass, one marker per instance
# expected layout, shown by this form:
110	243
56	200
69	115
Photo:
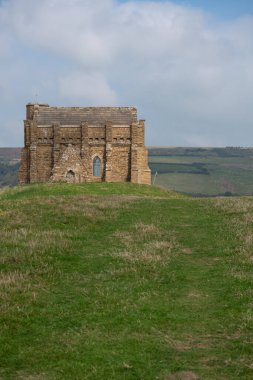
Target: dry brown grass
13	279
141	256
187	250
146	243
24	376
182	375
234	205
195	294
125	236
142	228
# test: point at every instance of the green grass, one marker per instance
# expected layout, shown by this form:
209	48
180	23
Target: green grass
94	189
114	281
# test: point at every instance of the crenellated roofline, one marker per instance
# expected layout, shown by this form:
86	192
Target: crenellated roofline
43	114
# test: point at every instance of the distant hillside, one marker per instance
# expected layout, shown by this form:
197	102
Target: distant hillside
9	165
204	171
122	281
10	155
193	171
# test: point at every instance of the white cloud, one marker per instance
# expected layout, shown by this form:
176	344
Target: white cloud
92	89
190	77
70	28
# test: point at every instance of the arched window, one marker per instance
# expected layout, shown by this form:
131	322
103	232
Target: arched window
97	167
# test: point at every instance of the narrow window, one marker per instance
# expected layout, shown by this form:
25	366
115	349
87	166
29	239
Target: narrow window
97	167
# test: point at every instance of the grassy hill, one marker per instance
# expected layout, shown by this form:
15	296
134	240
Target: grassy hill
119	281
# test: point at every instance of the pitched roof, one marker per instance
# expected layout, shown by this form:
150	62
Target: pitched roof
92	115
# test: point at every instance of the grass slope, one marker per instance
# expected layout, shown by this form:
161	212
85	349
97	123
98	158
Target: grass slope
120	281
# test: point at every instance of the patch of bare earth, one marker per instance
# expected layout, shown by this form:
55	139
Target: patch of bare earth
187	250
182	375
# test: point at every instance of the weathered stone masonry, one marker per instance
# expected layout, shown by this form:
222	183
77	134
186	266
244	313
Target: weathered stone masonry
72	144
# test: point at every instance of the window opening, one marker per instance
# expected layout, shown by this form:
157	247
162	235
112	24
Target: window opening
97	167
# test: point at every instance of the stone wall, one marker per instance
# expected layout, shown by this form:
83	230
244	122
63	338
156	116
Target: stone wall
65	152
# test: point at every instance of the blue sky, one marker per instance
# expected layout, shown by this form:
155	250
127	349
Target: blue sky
222	9
186	65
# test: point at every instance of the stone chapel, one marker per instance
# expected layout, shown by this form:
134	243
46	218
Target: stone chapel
75	144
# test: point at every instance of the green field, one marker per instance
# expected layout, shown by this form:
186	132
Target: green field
204	171
120	281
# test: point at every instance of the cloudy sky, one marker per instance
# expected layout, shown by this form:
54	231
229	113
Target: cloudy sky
187	65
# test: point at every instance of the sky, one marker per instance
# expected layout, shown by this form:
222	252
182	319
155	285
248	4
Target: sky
186	64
